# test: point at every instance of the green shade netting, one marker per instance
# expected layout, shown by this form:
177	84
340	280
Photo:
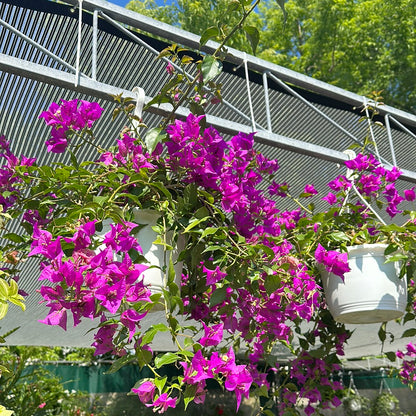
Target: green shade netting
93	378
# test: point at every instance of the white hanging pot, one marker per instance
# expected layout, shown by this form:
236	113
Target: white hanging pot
156	254
371	291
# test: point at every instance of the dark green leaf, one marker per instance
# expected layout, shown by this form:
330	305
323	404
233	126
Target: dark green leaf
409	333
189	394
382	332
121	362
272	283
304	344
144	357
408	317
391	356
253	37
391	248
318	353
14	237
233	6
281	4
209	33
218	296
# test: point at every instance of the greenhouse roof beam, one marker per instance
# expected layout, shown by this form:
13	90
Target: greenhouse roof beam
234	56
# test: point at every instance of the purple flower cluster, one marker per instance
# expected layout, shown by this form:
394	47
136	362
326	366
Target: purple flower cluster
333	261
407	372
237	378
128	151
373	181
92	282
68	118
309	373
9	181
233	169
146	392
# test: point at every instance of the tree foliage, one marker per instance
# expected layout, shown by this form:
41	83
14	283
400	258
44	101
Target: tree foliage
361	45
197	16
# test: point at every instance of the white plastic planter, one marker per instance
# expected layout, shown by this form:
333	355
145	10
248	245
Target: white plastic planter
156	254
371	291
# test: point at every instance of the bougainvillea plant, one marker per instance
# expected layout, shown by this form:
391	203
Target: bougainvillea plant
249	279
249	271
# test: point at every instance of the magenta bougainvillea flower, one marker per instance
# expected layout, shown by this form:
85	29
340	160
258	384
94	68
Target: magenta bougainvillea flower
212	335
68	116
146	391
333	261
162	403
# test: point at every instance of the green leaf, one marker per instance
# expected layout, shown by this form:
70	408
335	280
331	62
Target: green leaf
4	370
5	412
391	248
210	68
194	223
408	317
13	288
396	257
281	4
4	306
4	289
253	37
153	137
209	231
160	383
233	6
272	283
101	200
303	343
209	33
19	301
14	237
318	353
218	296
339	237
152	331
202	213
269	252
121	362
165	359
391	356
382	332
144	357
409	333
189	394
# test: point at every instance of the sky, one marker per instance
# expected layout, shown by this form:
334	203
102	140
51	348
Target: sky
123	3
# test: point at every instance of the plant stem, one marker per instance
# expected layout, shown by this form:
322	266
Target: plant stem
214	55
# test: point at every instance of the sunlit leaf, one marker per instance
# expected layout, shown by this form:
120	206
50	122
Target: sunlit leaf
210	68
165	359
209	33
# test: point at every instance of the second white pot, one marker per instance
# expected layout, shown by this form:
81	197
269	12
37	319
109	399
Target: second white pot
371	291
